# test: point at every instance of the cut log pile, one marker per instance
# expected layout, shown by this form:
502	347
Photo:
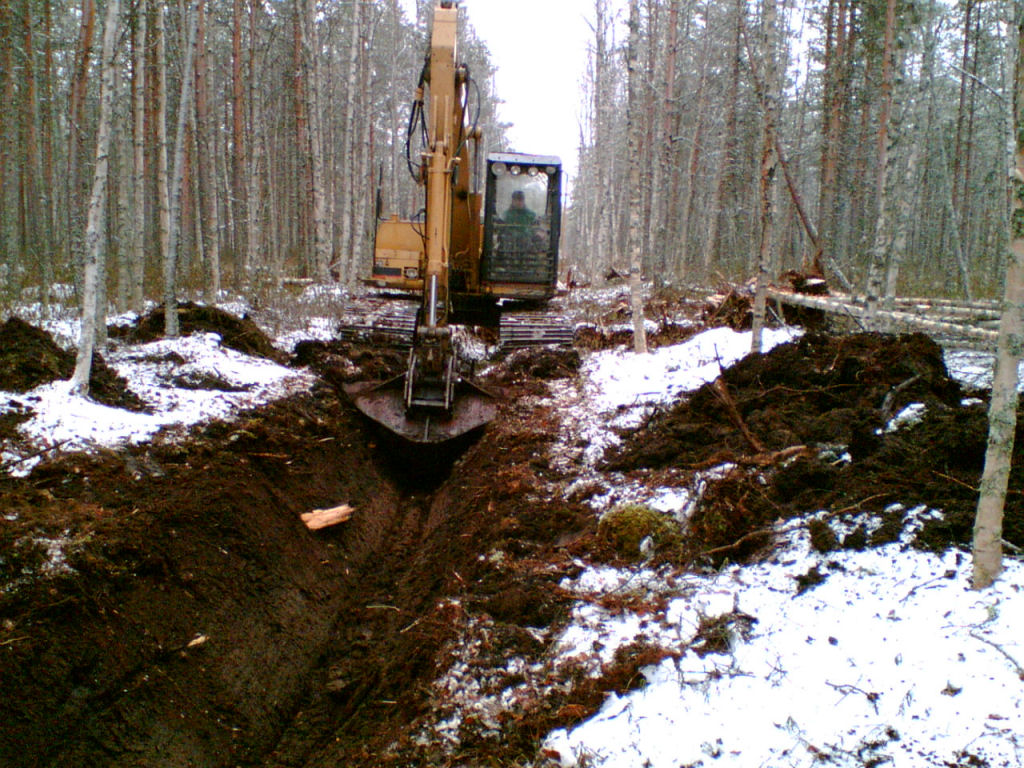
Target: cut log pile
961	321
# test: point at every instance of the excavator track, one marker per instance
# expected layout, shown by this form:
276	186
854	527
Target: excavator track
533	329
389	324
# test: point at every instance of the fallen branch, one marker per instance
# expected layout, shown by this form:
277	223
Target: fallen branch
890	398
765	459
15	462
323	518
956	481
722	392
845	689
1017	667
860	503
739	542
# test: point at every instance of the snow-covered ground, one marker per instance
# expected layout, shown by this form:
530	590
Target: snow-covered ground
155	372
889	660
892	659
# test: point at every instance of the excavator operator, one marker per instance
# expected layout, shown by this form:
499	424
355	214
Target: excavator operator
518	226
517	213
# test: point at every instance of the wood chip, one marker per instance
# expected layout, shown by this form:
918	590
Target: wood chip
324	518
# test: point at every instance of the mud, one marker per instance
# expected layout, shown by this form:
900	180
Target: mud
238	333
30	357
804	425
191	619
164	605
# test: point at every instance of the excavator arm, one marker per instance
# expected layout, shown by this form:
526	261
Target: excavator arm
431	402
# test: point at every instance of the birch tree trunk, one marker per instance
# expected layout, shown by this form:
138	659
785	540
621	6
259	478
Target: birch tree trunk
348	140
987	552
883	219
174	229
693	163
162	183
76	137
32	199
209	225
636	295
49	124
769	161
137	256
310	64
255	231
91	313
239	170
727	165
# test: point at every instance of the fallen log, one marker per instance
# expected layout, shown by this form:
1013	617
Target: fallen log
324	518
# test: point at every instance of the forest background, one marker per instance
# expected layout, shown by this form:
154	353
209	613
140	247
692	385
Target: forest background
253	154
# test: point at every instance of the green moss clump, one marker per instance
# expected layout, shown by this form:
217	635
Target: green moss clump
626	526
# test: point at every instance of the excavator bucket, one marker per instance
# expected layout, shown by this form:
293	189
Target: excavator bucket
385	403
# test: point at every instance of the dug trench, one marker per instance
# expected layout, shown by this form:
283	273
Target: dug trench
164	604
187	617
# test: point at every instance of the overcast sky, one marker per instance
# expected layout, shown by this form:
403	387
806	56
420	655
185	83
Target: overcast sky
540	50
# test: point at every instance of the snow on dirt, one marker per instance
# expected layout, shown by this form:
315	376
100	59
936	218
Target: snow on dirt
165	374
884	657
617	389
890	659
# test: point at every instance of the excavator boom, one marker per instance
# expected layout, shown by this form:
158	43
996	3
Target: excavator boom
431	402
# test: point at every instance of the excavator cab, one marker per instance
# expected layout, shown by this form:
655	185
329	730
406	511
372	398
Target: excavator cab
522	226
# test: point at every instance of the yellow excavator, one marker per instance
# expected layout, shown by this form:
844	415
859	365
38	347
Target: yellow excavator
466	257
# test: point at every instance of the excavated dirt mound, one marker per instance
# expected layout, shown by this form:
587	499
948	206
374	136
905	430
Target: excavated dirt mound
29	357
239	333
164	605
819	389
804	426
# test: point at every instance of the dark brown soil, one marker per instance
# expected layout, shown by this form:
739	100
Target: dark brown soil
196	622
30	357
238	333
802	406
193	620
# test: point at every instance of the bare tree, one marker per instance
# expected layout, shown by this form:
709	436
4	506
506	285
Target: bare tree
767	88
209	224
309	59
883	220
76	133
1002	413
348	146
240	172
636	291
91	312
174	230
136	249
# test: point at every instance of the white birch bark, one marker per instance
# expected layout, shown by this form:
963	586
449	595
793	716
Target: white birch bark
97	210
636	293
883	221
174	232
348	141
310	61
137	256
162	183
987	552
769	161
207	219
